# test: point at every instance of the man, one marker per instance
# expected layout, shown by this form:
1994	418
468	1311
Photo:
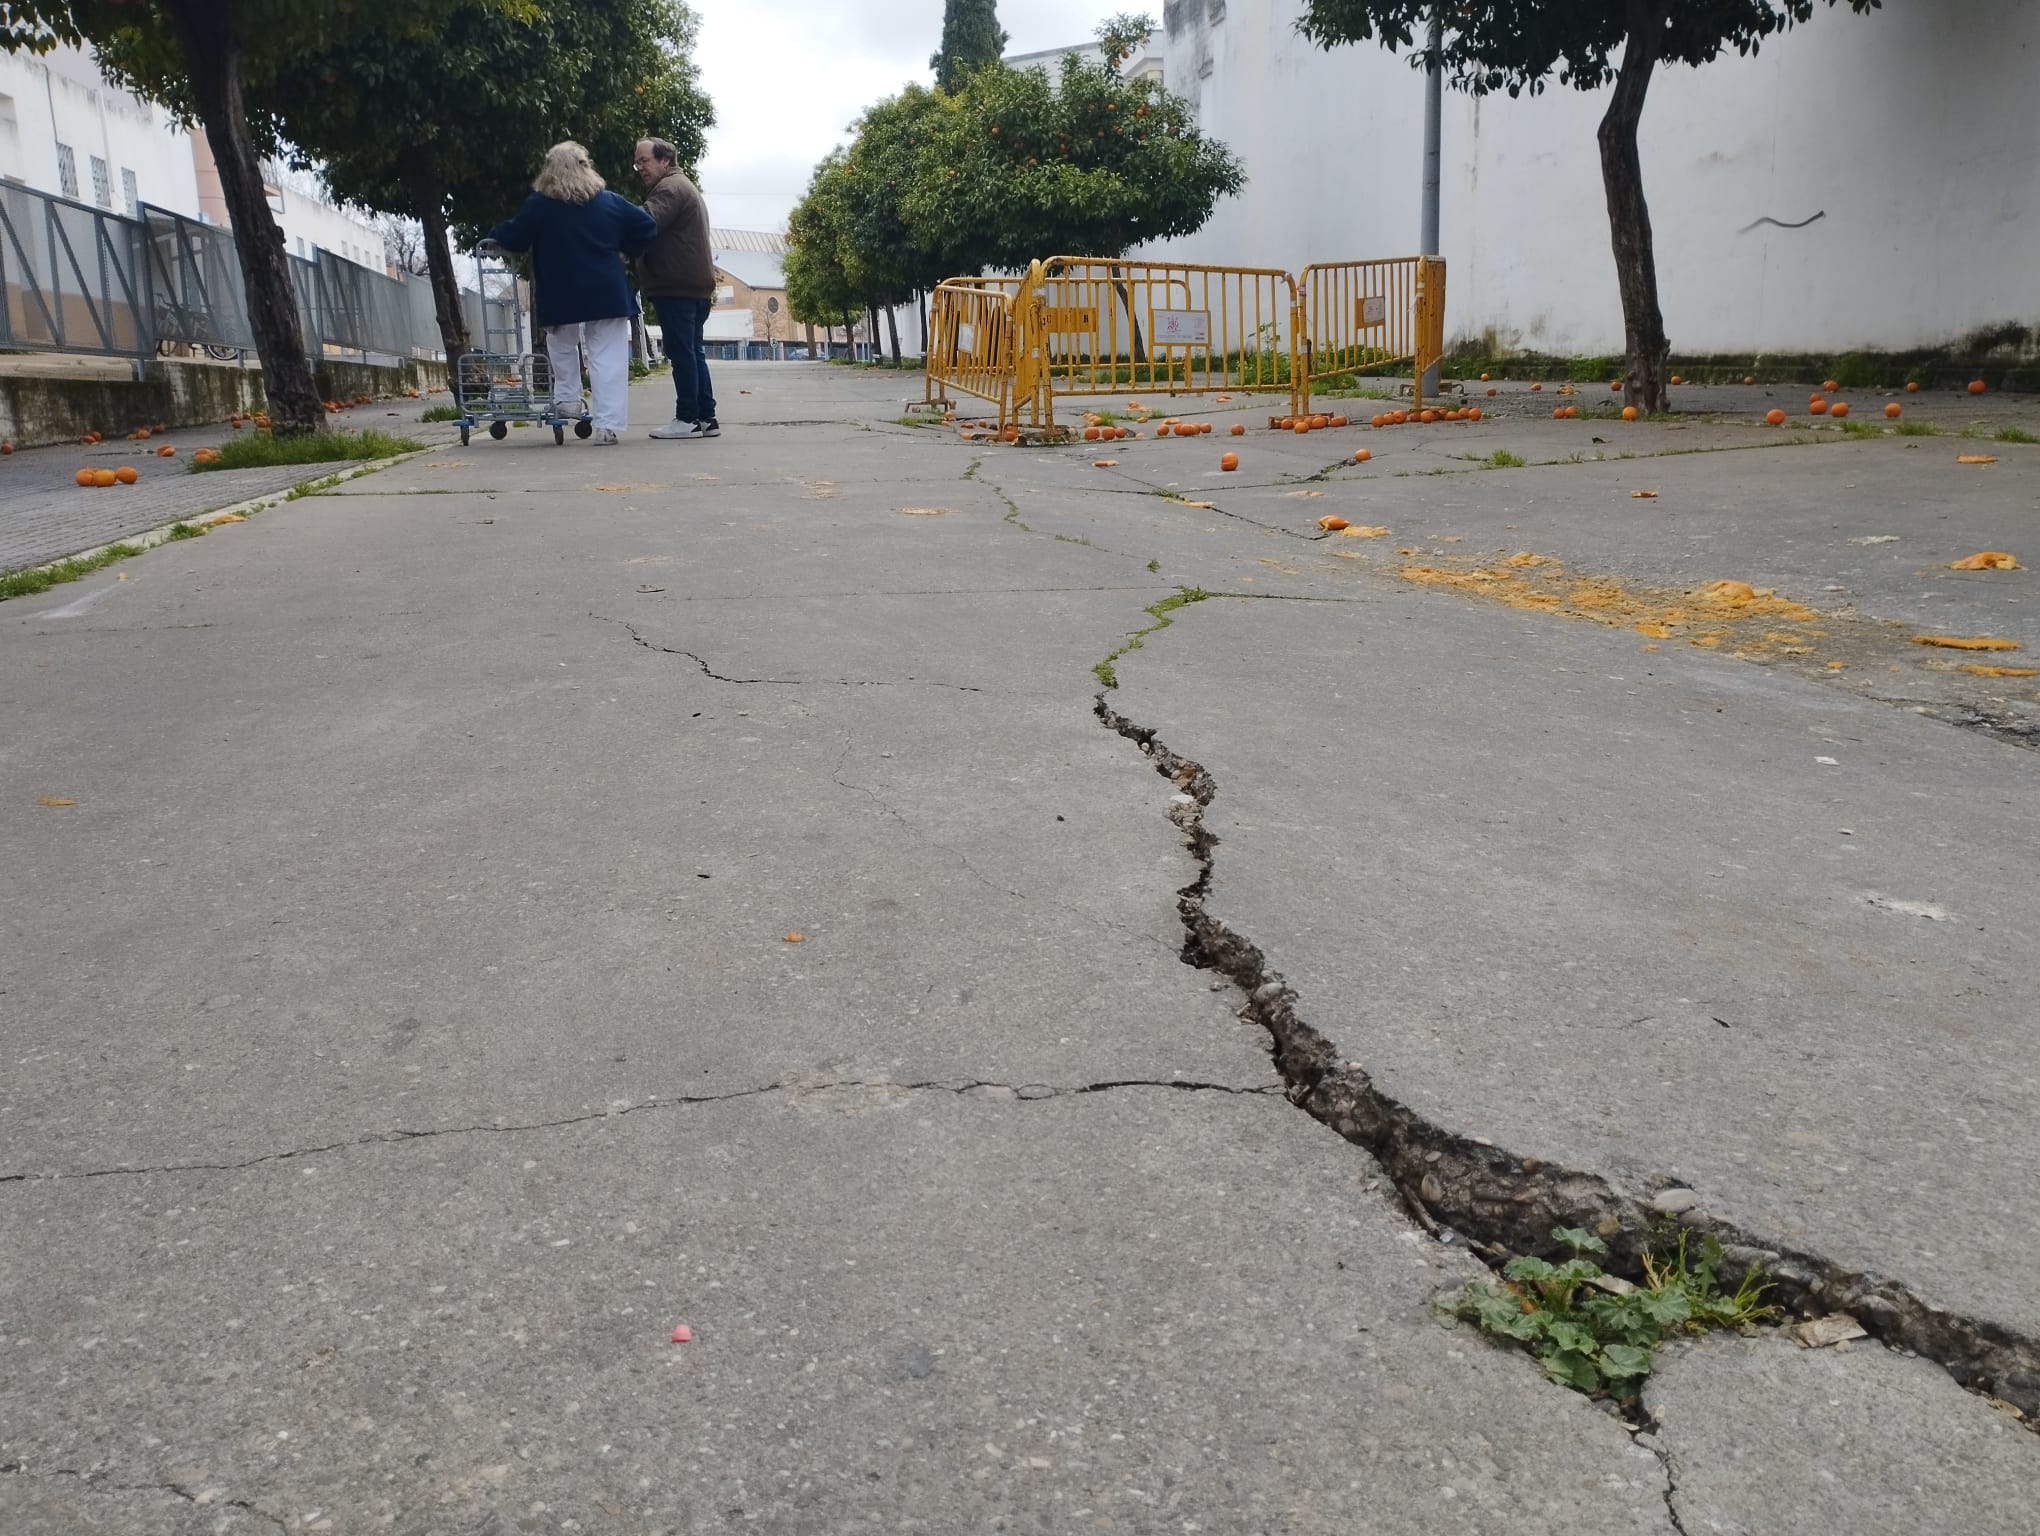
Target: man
677	273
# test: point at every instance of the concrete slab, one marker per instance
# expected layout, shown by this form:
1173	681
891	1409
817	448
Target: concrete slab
910	1311
1654	915
1881	1444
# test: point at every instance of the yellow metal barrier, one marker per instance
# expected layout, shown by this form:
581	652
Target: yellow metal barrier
1075	326
973	340
1364	316
1096	326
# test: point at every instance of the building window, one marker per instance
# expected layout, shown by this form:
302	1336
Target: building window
772	306
102	183
67	171
132	193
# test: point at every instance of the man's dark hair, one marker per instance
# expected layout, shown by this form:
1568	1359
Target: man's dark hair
661	150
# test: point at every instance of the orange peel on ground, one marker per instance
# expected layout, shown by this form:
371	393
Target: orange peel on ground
1962	643
1975	669
1985	560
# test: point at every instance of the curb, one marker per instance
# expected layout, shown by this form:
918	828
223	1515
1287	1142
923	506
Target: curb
247	507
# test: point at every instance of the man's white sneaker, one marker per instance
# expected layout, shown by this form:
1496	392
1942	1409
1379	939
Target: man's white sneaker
605	437
678	428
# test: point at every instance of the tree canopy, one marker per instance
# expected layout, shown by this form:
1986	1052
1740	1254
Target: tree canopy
451	129
971	39
1019	166
1013	166
1519	45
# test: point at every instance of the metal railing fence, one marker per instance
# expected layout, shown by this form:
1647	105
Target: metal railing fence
74	278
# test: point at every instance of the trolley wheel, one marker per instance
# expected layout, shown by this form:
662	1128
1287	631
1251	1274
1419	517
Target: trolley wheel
584	428
499	430
463	434
559	433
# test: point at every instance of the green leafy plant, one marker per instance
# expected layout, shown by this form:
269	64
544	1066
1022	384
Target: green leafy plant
442	413
262	450
1501	458
1917	429
1596	1333
26	583
2015	435
185	531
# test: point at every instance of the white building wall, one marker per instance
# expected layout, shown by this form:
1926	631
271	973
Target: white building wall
309	222
61	98
1915	130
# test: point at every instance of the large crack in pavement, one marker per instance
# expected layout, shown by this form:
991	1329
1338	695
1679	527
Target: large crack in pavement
1465	1189
799	1088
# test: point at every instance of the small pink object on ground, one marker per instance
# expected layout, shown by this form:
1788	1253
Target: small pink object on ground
683	1335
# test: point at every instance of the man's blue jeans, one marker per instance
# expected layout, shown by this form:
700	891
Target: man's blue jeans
681	321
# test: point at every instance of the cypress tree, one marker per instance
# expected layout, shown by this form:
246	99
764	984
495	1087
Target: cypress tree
971	39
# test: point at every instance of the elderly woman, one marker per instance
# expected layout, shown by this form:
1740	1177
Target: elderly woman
577	232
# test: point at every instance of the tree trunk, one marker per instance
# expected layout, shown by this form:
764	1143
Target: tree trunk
1125	292
212	53
892	325
1643	322
924	324
875	353
849	339
428	205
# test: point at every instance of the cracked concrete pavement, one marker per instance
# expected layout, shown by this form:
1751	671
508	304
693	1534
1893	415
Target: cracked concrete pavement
529	898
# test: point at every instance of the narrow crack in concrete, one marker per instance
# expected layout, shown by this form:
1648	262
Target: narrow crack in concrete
99	1484
1664	1460
1499	1204
1021	1092
782	682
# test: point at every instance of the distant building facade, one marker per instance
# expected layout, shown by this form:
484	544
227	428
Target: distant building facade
65	130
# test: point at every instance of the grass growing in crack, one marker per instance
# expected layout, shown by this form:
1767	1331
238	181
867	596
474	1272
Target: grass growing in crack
1599	1334
1182	597
306	488
2015	435
1861	429
1501	458
1154	565
1917	429
442	413
185	531
315	448
1012	508
28	583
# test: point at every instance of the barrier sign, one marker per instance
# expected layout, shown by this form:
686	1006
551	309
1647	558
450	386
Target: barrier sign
1180	327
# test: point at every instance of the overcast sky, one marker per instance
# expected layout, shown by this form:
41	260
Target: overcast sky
789	76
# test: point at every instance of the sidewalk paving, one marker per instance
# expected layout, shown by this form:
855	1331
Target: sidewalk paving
532	898
46	516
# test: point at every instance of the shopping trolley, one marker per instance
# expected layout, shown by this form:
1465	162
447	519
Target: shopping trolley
501	387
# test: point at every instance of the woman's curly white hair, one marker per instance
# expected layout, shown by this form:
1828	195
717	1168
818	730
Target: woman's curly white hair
568	174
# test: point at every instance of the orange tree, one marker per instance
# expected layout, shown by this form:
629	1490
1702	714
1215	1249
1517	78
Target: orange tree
1518	45
204	58
1017	166
819	287
451	128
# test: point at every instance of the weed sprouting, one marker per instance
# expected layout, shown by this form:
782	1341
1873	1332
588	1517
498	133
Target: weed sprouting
185	531
1917	429
313	448
40	579
1501	458
1597	1333
2015	435
1182	597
